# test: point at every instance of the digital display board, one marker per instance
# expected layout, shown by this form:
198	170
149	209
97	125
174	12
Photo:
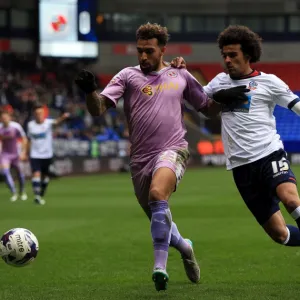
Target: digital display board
67	28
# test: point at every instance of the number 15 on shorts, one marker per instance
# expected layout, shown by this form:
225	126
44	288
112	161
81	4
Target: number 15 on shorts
280	166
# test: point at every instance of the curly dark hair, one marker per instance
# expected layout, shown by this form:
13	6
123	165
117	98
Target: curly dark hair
250	41
150	31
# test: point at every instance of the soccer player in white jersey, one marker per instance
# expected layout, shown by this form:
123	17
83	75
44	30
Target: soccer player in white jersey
41	150
10	133
253	148
153	95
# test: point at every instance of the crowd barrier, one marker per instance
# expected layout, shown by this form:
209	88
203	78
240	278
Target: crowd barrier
76	157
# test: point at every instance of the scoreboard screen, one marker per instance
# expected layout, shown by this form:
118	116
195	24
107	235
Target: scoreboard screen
67	28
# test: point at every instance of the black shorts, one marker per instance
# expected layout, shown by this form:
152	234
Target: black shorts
257	183
41	165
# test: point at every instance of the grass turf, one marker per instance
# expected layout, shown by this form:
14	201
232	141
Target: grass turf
95	243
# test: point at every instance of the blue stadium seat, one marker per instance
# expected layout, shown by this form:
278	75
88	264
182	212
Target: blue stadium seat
288	126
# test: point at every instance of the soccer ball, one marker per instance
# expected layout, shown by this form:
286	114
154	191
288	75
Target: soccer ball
18	247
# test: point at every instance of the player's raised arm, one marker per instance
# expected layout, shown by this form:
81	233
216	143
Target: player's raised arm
210	103
61	119
23	154
96	104
229	97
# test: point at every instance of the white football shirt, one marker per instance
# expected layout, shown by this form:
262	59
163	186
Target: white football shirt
41	139
249	132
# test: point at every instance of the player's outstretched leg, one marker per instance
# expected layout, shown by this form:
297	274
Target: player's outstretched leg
185	247
10	183
288	194
281	233
161	223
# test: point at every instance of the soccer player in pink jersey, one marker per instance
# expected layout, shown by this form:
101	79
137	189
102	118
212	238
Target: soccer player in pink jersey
154	96
10	132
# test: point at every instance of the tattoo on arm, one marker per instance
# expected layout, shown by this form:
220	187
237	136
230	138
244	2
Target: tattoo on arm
97	104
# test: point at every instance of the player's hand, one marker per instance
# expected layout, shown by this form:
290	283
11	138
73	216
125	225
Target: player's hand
178	62
232	97
66	115
23	156
85	80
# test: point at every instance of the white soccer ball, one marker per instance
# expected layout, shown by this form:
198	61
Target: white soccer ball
18	247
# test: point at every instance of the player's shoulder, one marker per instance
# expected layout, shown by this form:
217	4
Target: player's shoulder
269	76
125	73
15	124
132	69
220	79
270	79
182	71
49	121
222	75
32	122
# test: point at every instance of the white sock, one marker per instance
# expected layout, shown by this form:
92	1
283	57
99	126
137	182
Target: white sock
296	213
288	237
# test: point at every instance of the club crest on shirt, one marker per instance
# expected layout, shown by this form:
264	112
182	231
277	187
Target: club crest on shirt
147	90
252	85
172	74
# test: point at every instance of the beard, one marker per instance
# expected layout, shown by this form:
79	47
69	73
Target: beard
233	72
148	68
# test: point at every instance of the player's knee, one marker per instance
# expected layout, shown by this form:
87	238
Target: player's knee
4	171
289	196
36	175
279	236
157	194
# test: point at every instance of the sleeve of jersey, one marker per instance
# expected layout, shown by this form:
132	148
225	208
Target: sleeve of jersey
51	121
21	131
194	92
28	131
283	96
208	89
116	87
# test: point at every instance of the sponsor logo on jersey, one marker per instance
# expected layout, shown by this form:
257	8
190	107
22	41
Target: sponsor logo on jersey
147	90
224	83
243	107
37	136
167	86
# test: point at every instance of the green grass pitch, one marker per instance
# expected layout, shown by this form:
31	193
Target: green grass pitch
95	243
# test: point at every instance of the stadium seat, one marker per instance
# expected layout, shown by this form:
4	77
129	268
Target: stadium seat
205	147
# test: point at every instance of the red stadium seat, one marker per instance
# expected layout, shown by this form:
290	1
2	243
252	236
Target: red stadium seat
205	148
